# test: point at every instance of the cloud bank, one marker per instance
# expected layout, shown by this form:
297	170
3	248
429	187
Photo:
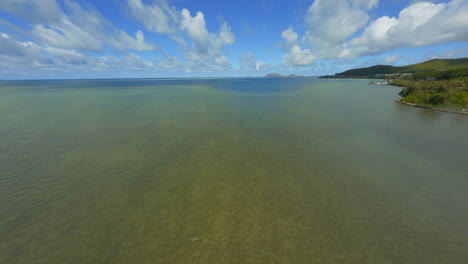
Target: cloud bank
202	49
60	39
51	38
69	35
296	56
344	29
74	27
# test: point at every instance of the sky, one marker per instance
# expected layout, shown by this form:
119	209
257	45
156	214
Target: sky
61	39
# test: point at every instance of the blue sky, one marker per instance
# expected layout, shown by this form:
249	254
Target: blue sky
188	38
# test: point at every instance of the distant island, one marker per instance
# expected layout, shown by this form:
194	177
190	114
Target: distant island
276	75
434	82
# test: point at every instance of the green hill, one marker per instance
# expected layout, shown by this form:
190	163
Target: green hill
433	82
438	65
371	71
431	66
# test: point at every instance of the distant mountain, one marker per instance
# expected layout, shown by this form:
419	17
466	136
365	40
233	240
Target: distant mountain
378	71
276	75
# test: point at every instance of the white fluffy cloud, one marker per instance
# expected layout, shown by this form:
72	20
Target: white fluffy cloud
124	41
290	38
297	56
249	63
420	24
61	38
202	49
68	35
26	59
158	17
15	53
68	56
170	64
36	11
203	42
331	22
195	27
343	29
72	27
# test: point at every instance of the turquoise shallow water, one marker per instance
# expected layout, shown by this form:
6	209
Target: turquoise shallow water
228	171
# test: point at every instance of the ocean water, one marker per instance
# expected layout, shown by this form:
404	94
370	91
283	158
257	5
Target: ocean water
228	171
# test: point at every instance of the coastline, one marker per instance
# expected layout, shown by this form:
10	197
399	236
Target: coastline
430	108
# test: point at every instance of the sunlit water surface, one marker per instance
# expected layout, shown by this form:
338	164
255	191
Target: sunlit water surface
228	171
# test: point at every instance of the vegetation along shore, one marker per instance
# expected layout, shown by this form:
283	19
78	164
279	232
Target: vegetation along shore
438	82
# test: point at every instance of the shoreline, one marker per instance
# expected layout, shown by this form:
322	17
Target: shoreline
430	108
